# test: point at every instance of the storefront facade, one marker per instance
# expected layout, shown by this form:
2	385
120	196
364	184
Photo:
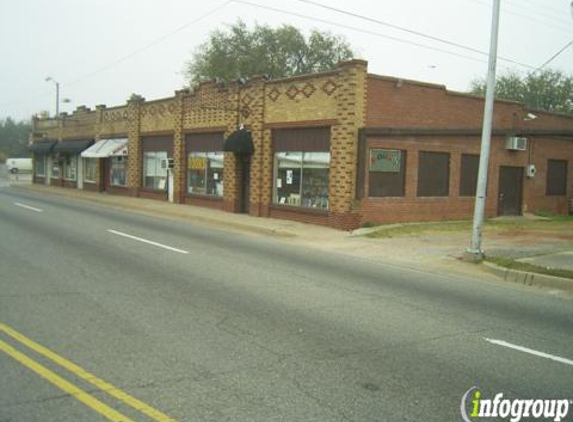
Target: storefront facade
340	148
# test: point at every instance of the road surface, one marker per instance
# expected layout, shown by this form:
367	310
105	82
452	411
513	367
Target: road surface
107	315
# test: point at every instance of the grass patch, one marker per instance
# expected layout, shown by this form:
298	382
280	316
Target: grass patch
553	223
525	266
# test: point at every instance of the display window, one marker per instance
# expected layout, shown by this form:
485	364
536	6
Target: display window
117	171
70	167
40	165
205	173
154	176
301	179
89	169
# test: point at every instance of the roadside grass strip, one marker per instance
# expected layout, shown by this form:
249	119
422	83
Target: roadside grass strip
71	389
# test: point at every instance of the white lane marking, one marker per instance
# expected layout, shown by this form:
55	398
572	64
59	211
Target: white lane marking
530	351
149	242
28	207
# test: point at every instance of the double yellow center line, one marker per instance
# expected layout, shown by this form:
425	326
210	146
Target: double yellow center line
71	389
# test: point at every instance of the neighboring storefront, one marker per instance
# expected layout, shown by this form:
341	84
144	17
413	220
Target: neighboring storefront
341	148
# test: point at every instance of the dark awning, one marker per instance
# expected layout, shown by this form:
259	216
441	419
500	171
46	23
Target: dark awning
72	147
239	142
41	148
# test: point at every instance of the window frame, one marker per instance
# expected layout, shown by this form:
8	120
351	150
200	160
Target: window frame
427	190
220	178
401	175
157	156
550	188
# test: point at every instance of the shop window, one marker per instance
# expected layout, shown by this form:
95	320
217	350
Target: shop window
40	162
556	177
89	169
117	171
55	168
433	174
70	167
205	173
301	179
469	174
154	176
386	173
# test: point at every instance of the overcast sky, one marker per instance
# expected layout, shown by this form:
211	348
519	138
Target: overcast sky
102	51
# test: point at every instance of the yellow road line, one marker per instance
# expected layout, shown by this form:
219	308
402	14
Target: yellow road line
85	375
68	387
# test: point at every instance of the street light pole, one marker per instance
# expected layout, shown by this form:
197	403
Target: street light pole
475	251
50	79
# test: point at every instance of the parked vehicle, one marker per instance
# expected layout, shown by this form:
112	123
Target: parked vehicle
19	165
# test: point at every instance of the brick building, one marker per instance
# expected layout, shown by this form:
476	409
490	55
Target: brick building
340	148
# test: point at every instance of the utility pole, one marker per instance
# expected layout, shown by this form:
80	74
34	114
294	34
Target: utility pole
50	79
475	252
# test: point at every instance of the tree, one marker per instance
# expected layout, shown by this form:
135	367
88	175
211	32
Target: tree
549	90
14	138
279	52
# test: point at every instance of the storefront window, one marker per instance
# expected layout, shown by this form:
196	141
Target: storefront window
301	179
89	169
205	173
154	177
55	171
70	167
40	165
117	171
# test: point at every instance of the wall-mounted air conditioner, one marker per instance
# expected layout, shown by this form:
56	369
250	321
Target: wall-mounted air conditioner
515	143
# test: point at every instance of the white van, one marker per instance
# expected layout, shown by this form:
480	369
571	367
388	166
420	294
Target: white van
19	165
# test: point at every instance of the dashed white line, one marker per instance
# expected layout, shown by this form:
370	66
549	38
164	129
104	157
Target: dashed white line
149	242
530	351
28	207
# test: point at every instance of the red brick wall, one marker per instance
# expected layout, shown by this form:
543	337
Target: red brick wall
207	202
410	207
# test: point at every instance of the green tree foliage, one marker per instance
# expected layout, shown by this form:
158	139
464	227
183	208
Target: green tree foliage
279	52
548	90
14	138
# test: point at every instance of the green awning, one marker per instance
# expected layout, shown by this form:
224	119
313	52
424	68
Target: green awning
72	147
41	148
239	142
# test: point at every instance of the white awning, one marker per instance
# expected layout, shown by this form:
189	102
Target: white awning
107	148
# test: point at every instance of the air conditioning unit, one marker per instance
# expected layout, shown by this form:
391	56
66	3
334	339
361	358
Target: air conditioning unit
515	143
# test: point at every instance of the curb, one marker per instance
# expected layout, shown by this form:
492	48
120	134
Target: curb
529	279
166	213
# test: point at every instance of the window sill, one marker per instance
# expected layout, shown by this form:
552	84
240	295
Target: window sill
299	209
203	197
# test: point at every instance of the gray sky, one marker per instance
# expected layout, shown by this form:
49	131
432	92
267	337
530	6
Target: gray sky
102	51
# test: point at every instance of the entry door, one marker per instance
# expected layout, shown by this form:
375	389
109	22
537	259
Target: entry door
105	174
510	191
246	182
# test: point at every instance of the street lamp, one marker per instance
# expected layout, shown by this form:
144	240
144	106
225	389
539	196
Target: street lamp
475	251
50	79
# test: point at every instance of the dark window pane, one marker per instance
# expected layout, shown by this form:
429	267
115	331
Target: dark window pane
433	174
556	177
469	174
388	183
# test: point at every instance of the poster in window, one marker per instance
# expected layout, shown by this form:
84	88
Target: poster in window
197	163
385	160
289	177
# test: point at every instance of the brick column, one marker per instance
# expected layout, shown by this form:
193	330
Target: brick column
231	186
134	158
253	101
179	158
351	115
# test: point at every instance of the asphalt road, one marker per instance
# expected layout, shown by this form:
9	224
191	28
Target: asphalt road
197	324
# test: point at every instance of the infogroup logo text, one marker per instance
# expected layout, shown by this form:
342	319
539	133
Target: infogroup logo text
512	409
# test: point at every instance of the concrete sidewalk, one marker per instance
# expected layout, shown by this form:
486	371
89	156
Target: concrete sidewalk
437	252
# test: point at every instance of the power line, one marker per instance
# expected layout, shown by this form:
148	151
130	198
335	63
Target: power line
410	31
151	44
565	47
126	57
545	23
353	28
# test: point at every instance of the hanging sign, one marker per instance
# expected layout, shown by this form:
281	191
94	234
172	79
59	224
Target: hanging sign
385	160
